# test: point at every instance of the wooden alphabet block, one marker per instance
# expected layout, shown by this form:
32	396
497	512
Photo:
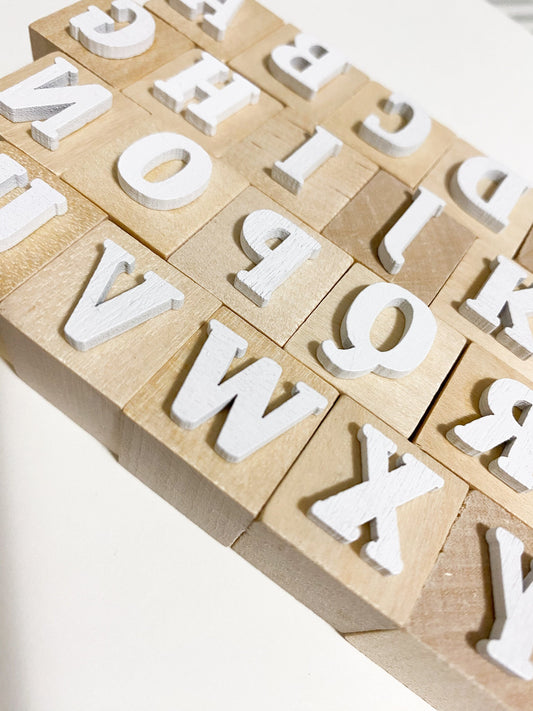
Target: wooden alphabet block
161	230
19	262
431	257
52	33
182	466
525	255
332	577
253	64
93	386
435	654
439	180
465	283
75	146
324	193
229	131
370	100
250	24
458	404
214	255
400	402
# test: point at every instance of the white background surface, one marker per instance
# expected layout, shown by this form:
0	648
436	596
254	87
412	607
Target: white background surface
110	600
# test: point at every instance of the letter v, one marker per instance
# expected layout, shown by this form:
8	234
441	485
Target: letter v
95	320
246	428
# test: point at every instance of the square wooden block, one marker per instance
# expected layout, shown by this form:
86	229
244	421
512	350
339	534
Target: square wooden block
253	64
74	148
161	230
52	33
458	404
435	655
438	180
430	258
229	132
182	466
93	386
24	259
324	193
465	283
400	402
370	99
214	256
329	576
250	24
525	255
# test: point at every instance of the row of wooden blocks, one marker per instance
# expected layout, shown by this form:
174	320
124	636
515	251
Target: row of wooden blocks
288	460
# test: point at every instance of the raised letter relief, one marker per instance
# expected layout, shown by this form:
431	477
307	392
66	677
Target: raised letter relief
375	500
246	428
53	102
217	14
274	266
511	638
498	426
29	211
96	30
358	356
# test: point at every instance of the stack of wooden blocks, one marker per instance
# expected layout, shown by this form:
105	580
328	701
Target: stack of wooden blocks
319	276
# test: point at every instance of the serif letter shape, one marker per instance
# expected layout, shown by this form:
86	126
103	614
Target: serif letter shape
54	103
375	501
511	638
249	391
498	426
218	14
95	320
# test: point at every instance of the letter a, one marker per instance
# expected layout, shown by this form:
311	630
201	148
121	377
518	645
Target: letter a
248	392
511	638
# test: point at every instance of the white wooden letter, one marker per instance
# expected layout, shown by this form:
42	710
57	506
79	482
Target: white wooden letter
95	320
151	151
292	172
96	30
494	212
406	140
425	205
217	14
358	356
498	303
306	66
27	212
246	428
53	102
274	266
511	638
498	426
199	82
375	500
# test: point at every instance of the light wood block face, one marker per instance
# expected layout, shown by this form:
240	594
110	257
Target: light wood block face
324	193
400	402
509	239
331	577
161	230
253	64
525	255
74	148
459	404
370	99
429	260
251	23
20	262
229	132
52	31
214	255
435	654
93	386
182	465
465	283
